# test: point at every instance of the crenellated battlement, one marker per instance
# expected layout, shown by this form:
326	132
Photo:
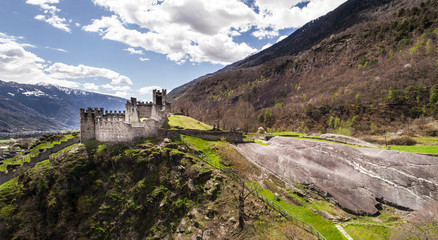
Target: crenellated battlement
118	117
114	126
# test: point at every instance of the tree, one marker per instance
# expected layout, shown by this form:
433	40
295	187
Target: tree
240	197
423	225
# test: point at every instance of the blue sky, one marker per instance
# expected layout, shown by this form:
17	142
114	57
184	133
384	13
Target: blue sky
128	47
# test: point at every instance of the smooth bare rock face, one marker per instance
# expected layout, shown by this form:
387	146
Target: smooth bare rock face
348	140
358	179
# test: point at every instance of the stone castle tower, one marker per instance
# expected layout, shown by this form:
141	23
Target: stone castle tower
139	120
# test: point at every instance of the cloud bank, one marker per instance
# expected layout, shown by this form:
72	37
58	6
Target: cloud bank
202	30
21	65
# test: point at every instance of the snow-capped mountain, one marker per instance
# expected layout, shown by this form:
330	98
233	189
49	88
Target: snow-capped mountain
45	107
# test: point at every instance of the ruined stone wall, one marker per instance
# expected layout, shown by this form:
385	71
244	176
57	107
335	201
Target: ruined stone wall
233	137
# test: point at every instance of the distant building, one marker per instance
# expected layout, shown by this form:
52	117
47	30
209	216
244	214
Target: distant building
139	120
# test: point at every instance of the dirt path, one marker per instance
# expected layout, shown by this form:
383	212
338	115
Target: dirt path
357	178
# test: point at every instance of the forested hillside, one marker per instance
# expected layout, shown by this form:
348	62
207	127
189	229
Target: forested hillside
367	67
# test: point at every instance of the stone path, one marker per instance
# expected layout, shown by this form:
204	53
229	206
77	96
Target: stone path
341	229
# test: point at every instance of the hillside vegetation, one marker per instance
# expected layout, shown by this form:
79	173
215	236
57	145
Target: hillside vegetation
375	74
134	191
163	189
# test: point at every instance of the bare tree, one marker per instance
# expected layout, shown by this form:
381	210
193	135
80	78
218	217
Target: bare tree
240	197
422	225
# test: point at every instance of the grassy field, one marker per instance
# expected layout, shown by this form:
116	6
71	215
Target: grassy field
325	227
4	141
184	122
427	140
427	145
379	228
430	149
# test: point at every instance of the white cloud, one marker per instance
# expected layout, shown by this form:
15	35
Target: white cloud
116	88
20	65
134	51
148	90
144	59
61	70
201	30
184	30
50	14
283	14
281	38
266	46
91	86
58	49
122	94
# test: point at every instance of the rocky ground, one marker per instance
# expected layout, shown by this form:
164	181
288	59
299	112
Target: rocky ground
358	179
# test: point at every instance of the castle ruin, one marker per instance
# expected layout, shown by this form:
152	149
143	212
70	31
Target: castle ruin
139	120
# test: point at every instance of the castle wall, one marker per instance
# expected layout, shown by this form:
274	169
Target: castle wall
120	131
126	126
144	111
87	124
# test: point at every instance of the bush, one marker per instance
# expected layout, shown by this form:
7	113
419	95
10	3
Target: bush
342	131
405	141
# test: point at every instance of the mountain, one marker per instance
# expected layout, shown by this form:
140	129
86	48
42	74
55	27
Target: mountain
368	66
26	108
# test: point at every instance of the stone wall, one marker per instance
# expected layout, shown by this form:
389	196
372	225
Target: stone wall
4	177
119	131
144	111
125	126
232	137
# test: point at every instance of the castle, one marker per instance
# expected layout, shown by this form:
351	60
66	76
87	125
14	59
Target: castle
139	120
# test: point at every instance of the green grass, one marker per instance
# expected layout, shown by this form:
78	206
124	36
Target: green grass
427	140
370	228
4	141
8	189
206	147
260	142
324	226
367	232
20	159
184	122
430	149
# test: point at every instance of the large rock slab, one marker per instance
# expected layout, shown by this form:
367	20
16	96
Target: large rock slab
358	179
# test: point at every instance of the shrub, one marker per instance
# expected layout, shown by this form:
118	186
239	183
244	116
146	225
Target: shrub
342	131
405	141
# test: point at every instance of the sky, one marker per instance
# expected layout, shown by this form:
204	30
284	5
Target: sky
129	47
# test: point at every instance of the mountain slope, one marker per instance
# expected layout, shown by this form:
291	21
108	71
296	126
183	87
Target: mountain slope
342	66
27	108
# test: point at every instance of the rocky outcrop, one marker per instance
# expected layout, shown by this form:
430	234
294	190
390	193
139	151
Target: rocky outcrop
347	140
358	179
